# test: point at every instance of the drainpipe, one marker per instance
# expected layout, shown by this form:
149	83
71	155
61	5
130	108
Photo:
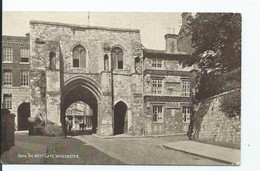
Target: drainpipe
112	94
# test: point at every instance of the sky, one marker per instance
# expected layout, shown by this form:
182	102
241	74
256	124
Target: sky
152	25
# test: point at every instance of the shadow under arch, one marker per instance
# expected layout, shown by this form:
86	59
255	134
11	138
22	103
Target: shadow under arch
81	88
23	113
120	118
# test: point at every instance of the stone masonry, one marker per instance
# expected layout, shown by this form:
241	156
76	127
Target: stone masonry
213	126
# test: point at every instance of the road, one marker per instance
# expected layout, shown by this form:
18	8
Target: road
145	151
87	149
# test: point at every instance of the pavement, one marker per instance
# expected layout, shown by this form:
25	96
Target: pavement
213	152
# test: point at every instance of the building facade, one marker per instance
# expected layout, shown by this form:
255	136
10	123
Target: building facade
15	78
130	89
125	87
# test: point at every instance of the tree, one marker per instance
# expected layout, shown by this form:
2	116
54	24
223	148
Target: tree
216	38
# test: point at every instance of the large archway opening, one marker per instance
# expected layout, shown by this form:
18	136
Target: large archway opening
120	118
23	115
76	94
81	115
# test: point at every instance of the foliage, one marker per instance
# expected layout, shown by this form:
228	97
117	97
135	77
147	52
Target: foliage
210	85
216	38
231	104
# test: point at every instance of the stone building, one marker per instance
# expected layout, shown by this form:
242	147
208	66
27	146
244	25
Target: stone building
15	78
130	89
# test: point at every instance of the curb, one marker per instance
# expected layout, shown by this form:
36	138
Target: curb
203	156
138	136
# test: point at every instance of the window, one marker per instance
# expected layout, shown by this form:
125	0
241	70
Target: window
117	58
7	78
7	101
79	57
24	55
156	63
106	62
24	78
185	88
52	58
8	55
158	114
157	87
186	114
137	65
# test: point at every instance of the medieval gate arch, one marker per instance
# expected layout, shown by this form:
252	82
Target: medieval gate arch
81	88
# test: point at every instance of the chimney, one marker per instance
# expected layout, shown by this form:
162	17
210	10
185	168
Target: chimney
171	43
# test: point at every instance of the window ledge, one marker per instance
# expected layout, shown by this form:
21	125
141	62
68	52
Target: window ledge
158	122
7	62
24	63
25	86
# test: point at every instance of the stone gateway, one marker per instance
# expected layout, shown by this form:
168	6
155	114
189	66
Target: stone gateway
130	89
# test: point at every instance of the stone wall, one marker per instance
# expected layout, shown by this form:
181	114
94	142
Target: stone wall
211	125
47	86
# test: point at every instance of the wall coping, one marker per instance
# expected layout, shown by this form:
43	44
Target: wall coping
83	26
221	94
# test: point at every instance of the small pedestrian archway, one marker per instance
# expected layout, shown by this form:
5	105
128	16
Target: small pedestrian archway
23	113
120	118
84	90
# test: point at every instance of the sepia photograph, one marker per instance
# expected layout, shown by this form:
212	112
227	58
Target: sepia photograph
121	88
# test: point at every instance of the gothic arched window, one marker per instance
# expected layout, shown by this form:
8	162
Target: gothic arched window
117	58
52	58
137	65
106	62
79	57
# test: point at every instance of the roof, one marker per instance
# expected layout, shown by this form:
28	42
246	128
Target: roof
18	40
84	26
6	37
162	52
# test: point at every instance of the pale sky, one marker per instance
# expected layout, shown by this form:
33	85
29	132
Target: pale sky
153	26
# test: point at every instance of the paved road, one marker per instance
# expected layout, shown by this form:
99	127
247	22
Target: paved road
145	151
87	149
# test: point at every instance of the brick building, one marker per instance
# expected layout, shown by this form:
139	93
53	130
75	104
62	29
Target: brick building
15	78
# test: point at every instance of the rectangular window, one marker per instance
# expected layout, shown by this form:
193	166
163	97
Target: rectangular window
7	101
186	114
8	55
156	63
24	55
157	87
185	88
158	114
7	78
24	78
